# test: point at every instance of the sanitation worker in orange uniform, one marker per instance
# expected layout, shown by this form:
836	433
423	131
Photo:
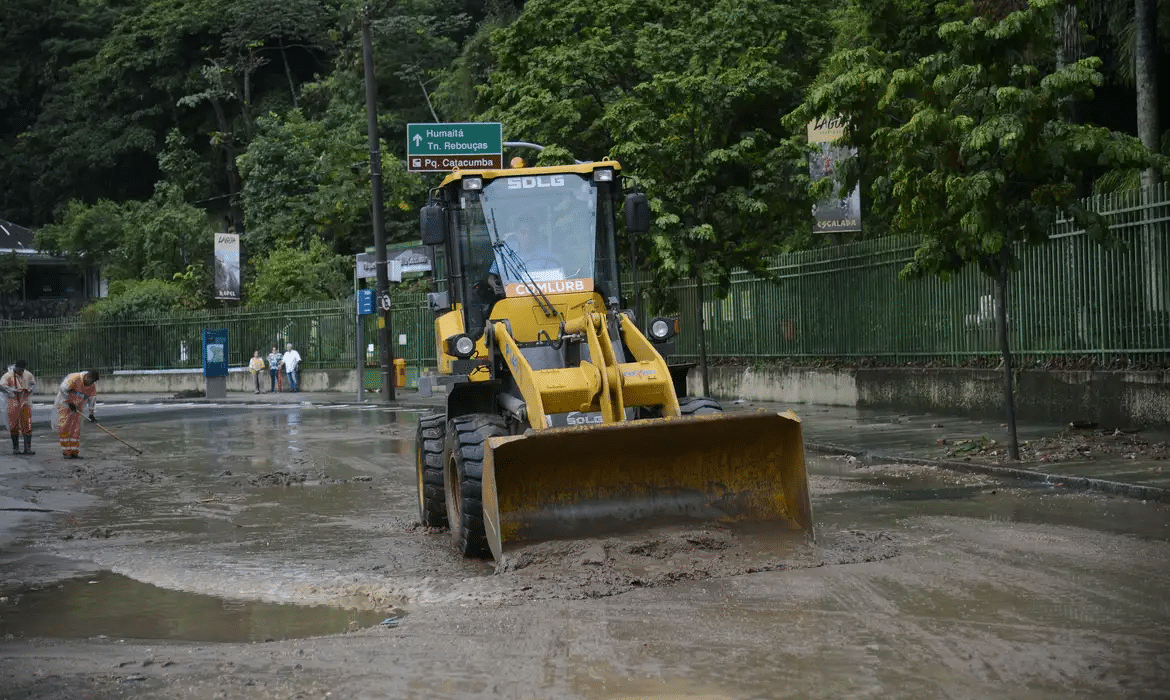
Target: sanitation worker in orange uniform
18	385
76	390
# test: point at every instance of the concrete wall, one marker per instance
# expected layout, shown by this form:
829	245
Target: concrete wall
1113	399
1116	399
174	381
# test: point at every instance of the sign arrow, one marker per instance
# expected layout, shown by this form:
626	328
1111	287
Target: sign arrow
417	139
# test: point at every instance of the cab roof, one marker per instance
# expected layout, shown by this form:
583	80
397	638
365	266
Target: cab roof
578	169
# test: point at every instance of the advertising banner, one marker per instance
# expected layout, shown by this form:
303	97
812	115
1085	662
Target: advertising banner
840	211
215	341
227	266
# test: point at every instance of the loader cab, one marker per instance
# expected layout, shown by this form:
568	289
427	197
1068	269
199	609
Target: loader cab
519	233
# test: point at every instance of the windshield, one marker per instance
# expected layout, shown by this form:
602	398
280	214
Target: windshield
544	230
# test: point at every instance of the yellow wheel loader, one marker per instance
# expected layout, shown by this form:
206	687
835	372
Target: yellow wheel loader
562	419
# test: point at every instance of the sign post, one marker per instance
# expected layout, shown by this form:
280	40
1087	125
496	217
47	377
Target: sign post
376	213
447	146
365	307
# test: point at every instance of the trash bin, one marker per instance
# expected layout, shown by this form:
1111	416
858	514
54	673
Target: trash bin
399	372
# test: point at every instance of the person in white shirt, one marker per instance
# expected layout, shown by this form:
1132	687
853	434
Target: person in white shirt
291	361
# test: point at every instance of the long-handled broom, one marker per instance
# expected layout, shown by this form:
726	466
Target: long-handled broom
117	438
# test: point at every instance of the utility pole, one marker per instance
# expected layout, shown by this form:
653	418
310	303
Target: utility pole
385	351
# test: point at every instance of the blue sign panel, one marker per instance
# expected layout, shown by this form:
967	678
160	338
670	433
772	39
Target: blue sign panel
365	302
215	345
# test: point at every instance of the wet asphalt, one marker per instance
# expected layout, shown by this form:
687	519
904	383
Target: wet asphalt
867	434
957	584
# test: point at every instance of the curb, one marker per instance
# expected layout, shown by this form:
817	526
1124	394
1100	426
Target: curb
409	404
1146	493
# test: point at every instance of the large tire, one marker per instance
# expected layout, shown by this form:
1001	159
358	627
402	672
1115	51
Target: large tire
698	406
432	508
464	479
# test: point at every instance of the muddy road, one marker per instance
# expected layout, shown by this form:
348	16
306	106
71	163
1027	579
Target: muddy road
273	552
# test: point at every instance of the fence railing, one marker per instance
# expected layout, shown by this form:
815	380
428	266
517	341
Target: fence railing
324	333
1069	297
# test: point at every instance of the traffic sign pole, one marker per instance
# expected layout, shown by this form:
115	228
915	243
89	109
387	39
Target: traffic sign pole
385	350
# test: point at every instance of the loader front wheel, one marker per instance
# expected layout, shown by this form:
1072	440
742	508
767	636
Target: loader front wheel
698	406
463	479
430	440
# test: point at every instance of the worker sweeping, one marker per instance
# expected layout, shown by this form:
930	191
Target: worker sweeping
18	385
76	390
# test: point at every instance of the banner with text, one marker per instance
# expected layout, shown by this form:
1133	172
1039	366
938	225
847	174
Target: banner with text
840	211
227	266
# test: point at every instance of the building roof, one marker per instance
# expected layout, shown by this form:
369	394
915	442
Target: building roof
16	238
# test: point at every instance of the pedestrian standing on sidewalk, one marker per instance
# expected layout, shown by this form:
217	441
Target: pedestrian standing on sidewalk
274	357
18	385
75	391
291	361
256	366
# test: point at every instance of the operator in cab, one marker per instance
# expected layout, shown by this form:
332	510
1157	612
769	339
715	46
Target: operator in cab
531	248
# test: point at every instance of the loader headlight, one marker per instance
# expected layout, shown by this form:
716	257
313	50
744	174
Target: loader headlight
662	329
603	175
473	183
461	346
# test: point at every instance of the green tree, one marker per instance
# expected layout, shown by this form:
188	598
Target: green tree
294	274
457	96
136	299
307	180
132	240
687	96
12	271
983	161
204	67
41	43
889	34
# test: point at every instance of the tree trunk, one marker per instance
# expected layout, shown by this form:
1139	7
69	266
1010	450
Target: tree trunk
233	178
1146	77
422	86
247	110
1068	41
1066	27
1003	269
292	87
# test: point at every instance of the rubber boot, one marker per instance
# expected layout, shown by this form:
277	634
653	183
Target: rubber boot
28	445
15	444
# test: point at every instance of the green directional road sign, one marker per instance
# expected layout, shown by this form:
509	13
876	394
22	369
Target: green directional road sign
441	147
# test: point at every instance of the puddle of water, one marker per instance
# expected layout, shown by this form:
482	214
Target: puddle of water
116	606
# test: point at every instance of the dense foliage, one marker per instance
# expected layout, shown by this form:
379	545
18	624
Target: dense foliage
130	132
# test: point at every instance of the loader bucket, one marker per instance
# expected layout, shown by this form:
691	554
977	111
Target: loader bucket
561	483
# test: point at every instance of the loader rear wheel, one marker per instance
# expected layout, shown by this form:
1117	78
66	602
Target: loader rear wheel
430	439
463	479
698	406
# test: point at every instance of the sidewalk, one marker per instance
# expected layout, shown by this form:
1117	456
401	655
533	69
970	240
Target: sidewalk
1135	464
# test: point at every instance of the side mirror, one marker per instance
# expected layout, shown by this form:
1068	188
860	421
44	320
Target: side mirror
432	225
637	213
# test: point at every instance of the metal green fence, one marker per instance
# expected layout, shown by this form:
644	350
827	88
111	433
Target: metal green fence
324	333
1069	297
